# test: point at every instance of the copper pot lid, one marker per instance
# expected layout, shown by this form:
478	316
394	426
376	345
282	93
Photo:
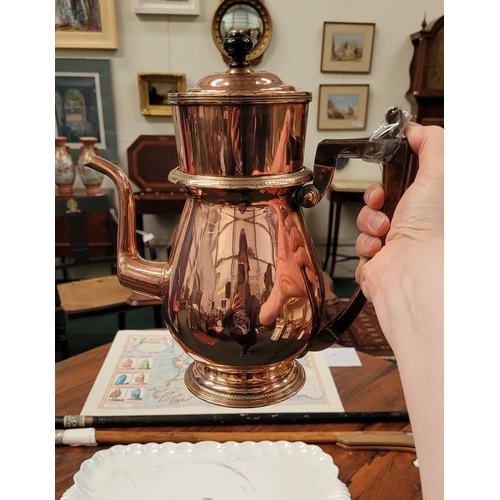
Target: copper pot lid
240	84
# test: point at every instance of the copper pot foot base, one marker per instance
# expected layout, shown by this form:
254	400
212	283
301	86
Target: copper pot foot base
244	388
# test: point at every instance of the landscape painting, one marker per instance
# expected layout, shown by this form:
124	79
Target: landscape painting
342	107
347	47
154	89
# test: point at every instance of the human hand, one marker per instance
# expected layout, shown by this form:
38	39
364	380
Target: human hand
292	258
237	303
418	221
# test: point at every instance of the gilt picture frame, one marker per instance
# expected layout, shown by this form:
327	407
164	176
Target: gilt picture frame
153	91
84	104
90	28
175	7
343	107
347	47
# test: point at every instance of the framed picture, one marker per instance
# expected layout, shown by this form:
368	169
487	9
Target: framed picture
154	89
84	104
85	25
347	47
342	107
179	7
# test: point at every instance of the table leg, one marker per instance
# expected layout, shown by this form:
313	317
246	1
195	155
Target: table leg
61	334
335	235
121	321
329	235
158	315
139	224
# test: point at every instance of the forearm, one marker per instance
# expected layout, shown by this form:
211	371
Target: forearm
272	307
421	371
413	323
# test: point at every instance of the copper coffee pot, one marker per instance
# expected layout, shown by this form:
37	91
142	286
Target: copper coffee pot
243	291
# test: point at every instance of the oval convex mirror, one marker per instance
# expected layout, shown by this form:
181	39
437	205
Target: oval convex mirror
248	15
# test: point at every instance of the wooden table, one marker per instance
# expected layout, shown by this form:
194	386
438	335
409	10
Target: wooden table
369	475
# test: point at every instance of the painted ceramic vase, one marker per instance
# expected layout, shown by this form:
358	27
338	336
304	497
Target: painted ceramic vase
65	168
90	177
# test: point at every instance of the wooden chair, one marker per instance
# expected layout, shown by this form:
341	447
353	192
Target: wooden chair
89	224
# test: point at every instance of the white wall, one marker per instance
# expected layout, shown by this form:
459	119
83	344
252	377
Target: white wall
183	44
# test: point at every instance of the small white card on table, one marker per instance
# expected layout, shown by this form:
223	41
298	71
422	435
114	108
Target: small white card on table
342	356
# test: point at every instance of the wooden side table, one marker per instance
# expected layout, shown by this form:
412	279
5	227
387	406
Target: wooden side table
158	203
340	192
100	242
150	159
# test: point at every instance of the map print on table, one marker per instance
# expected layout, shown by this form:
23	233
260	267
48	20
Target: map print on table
144	370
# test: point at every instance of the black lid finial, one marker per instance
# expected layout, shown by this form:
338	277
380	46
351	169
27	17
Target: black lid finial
238	45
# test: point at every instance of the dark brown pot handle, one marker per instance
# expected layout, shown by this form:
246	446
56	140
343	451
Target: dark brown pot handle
398	172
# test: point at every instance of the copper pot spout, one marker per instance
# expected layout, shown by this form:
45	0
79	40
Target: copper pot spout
133	271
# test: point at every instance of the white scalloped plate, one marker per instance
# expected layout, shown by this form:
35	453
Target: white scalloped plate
209	471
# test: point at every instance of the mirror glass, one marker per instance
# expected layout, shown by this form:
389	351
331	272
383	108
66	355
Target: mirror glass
252	17
244	17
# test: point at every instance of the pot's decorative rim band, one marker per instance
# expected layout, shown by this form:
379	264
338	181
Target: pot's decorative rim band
182	98
177	176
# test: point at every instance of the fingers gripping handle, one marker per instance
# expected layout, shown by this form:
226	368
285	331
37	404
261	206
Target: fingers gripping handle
395	156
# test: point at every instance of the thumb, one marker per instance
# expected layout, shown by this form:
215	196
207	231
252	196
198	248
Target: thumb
428	143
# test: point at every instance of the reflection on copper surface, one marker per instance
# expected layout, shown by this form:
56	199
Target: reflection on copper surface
241	140
240	297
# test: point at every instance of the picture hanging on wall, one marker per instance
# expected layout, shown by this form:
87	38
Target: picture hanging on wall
85	25
84	104
179	7
342	107
154	89
347	47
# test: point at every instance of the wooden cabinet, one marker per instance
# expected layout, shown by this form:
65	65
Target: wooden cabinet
100	235
150	159
426	92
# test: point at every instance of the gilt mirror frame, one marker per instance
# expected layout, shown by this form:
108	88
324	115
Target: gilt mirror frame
258	50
